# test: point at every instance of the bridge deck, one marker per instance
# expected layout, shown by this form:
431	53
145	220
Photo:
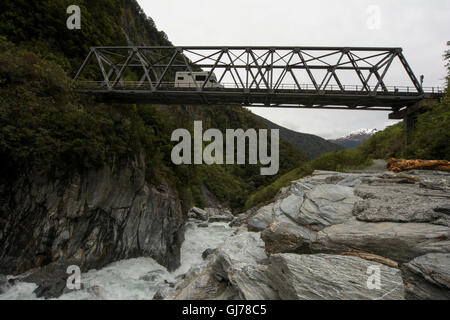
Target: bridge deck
286	98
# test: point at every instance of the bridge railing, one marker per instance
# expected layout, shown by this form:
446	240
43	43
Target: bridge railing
139	85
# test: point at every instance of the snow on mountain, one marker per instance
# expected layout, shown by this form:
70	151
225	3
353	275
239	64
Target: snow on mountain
355	138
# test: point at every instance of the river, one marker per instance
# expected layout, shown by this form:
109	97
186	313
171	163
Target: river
137	278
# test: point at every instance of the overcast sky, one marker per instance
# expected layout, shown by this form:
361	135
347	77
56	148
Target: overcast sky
421	28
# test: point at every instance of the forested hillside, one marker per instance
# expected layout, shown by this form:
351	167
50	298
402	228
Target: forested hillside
46	127
313	146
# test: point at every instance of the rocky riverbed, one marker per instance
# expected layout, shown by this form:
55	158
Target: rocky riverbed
327	236
337	236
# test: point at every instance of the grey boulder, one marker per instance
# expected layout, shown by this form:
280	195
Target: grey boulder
261	220
197	213
331	277
251	282
393	203
400	242
326	205
204	286
428	277
245	248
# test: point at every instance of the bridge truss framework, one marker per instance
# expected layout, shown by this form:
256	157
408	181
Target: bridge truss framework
298	77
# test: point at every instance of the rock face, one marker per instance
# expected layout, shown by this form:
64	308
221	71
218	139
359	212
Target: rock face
330	235
261	220
51	279
326	205
238	271
428	277
251	282
204	286
330	277
246	248
398	221
197	213
400	242
3	283
393	203
93	218
281	237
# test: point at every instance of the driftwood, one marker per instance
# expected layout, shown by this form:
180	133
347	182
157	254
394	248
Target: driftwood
398	165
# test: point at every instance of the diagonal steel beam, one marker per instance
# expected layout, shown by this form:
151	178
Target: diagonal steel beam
102	69
308	70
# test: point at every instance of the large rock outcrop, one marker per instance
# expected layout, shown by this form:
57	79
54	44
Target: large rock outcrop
326	234
400	242
237	271
92	218
331	277
428	277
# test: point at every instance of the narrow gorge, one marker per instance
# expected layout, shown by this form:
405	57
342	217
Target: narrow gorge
318	240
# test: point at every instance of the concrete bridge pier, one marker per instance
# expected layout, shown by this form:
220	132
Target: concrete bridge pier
409	125
409	116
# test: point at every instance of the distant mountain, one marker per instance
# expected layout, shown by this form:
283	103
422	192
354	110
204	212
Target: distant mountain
355	138
311	145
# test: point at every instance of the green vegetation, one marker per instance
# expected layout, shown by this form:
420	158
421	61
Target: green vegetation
432	133
40	26
385	144
44	126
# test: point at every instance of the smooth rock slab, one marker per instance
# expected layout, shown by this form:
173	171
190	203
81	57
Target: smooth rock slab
428	277
266	215
251	282
245	248
291	205
350	181
261	219
204	286
400	242
331	277
326	205
398	204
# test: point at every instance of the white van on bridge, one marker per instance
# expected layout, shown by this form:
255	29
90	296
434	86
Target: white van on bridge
194	79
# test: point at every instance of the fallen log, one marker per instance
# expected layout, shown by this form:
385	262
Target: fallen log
398	165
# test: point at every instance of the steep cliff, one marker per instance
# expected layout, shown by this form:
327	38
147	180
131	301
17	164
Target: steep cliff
87	182
93	218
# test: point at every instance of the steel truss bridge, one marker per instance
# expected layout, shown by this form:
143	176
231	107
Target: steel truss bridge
357	78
